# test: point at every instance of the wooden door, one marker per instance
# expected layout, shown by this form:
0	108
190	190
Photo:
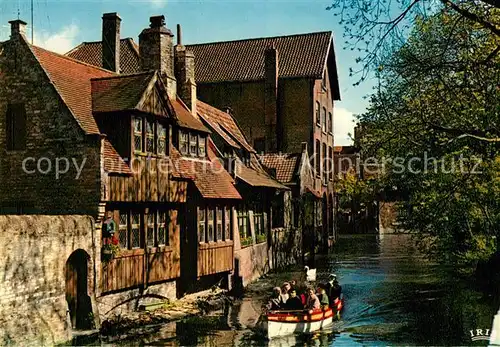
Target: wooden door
79	304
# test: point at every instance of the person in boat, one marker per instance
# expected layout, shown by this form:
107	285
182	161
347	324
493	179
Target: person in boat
275	300
323	297
294	303
312	302
284	293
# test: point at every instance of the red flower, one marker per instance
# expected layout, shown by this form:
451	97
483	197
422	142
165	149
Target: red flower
115	241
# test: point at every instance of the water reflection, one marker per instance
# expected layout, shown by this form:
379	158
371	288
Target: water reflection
393	296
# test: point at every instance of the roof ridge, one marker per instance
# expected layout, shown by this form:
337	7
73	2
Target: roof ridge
133	74
263	37
72	59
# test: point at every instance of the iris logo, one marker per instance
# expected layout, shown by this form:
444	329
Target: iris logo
480	334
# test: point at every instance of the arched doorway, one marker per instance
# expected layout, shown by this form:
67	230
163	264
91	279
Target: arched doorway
77	296
324	219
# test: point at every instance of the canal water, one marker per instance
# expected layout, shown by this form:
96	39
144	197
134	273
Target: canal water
393	296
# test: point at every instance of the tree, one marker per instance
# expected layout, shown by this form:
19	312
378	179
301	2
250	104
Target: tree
377	27
436	115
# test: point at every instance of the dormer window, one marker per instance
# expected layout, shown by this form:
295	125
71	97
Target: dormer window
138	135
202	146
184	142
193	144
150	137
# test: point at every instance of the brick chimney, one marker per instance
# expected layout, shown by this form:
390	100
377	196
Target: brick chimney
184	73
111	41
17	27
157	52
272	122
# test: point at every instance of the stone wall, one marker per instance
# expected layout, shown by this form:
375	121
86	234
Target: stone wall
33	307
53	137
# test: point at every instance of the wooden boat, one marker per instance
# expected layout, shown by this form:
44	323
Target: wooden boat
282	323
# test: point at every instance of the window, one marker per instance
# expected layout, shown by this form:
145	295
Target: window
243	224
162	144
210	224
202	146
317	157
278	211
138	135
135	232
123	230
323	81
220	224
150	137
202	219
323	159
318	116
162	227
323	119
150	231
16	127
259	224
228	234
330	123
193	144
330	162
184	142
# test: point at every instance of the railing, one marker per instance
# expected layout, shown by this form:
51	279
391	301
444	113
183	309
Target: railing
215	257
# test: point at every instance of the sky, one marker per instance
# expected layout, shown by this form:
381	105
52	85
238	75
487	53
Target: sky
60	25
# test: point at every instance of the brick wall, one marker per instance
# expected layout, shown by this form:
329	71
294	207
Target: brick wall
52	132
33	307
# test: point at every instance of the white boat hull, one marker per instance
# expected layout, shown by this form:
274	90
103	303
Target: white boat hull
283	328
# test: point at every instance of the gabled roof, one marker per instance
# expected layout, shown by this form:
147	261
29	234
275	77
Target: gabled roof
208	176
120	92
91	53
71	78
224	124
255	178
302	55
184	117
286	165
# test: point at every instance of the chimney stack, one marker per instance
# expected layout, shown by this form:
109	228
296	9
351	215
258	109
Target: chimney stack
157	52
272	122
184	73
17	27
111	41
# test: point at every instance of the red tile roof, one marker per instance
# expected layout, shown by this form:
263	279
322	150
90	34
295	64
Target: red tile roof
71	79
113	162
224	124
209	176
120	92
286	165
91	53
256	178
185	118
302	55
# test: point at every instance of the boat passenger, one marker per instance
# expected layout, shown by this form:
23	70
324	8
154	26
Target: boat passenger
294	303
275	300
323	297
312	301
333	288
284	293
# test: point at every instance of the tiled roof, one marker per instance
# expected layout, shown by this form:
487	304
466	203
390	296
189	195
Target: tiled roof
224	124
255	178
72	78
121	92
345	150
286	165
185	118
91	53
113	162
209	176
303	55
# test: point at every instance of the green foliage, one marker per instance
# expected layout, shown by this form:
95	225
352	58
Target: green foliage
439	100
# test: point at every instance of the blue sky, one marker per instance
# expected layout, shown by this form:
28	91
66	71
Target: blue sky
61	25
